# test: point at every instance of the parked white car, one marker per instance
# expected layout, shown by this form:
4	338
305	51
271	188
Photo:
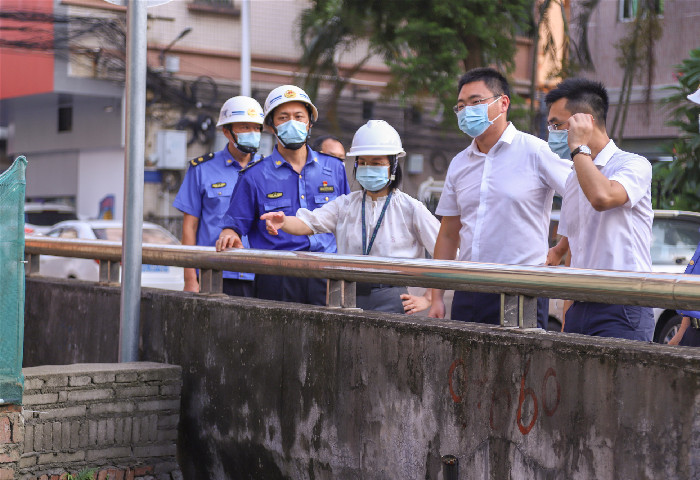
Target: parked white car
40	217
156	276
675	236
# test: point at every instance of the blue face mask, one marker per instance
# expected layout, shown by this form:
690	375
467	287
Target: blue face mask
293	134
474	120
372	178
248	142
558	142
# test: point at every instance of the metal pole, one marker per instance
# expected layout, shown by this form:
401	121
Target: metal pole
245	48
136	45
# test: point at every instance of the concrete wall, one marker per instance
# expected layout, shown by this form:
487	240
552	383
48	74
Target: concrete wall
119	419
272	390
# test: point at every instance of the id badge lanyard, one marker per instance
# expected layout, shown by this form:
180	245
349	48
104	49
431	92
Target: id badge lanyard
366	248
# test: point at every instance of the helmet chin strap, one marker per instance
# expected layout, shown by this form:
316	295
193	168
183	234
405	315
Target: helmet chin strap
241	148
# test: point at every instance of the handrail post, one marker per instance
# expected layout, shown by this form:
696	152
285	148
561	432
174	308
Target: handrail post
109	272
31	264
340	294
518	311
211	281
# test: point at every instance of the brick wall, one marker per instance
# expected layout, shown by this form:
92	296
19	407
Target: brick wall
119	419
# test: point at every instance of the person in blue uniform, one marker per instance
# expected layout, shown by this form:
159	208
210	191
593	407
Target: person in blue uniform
206	191
689	333
294	176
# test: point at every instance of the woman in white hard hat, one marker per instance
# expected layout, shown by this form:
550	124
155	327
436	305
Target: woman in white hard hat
380	220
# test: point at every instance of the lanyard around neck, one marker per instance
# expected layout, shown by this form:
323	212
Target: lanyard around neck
366	248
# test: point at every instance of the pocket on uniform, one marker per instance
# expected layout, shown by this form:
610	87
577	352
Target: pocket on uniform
282	205
323	198
219	192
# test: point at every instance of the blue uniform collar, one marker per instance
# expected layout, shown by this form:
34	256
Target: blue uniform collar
278	160
228	159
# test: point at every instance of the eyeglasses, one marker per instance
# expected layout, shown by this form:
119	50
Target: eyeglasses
555	126
460	106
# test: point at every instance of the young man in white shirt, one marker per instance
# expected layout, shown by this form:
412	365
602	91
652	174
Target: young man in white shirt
606	212
497	198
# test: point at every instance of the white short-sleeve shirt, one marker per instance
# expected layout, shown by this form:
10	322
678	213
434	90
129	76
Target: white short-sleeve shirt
407	230
619	238
504	198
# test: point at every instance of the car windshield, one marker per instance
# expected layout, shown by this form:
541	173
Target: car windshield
674	241
150	235
47	218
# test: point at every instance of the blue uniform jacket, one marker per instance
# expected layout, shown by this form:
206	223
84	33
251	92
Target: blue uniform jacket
272	185
206	194
692	269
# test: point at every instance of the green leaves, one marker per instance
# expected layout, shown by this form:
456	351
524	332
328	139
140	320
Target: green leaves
680	179
427	44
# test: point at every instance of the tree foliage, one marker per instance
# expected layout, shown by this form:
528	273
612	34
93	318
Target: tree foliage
427	44
680	179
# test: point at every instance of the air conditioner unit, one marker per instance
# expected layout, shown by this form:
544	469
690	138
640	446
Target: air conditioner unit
171	149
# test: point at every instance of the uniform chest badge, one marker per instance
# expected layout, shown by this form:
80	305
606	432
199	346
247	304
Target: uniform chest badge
326	189
274	195
218	185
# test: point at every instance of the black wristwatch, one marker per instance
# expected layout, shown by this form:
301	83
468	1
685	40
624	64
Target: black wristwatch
581	149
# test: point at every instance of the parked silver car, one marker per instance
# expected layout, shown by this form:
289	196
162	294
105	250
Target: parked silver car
156	276
675	236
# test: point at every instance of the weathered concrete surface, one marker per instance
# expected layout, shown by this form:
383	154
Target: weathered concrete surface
272	390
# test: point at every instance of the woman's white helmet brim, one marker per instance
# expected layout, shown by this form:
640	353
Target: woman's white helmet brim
376	138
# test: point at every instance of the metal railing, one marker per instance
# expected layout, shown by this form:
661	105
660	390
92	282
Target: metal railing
518	285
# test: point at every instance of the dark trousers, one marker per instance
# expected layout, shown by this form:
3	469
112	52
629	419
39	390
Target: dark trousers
486	308
380	298
691	337
311	291
618	321
238	288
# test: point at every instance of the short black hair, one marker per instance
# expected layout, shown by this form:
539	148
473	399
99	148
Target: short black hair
316	146
582	96
495	82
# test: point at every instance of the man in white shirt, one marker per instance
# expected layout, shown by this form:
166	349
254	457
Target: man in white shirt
606	213
497	198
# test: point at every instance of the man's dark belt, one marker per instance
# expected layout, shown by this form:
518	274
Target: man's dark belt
362	288
694	322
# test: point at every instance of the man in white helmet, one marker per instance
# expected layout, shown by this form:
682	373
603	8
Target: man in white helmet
206	191
292	177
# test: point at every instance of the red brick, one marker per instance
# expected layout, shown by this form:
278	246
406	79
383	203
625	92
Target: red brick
141	471
102	475
5	430
44	477
115	474
7	473
63	476
5	458
10	408
129	474
54	477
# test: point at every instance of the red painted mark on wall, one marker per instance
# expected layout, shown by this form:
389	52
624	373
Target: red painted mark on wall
501	399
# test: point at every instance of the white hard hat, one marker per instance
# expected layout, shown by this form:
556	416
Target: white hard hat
285	94
695	97
376	137
240	109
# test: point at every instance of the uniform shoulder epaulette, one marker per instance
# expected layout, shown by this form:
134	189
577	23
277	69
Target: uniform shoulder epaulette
251	164
200	160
